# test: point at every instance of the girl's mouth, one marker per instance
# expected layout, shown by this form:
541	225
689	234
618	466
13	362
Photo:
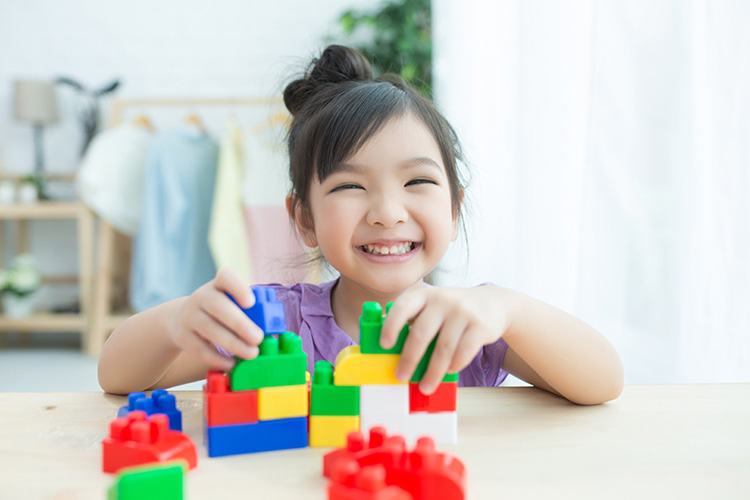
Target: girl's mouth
400	249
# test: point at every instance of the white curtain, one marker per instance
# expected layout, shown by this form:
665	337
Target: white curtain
609	150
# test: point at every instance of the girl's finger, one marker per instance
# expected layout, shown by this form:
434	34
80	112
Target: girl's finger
206	352
214	331
230	281
467	348
421	332
224	311
406	307
445	347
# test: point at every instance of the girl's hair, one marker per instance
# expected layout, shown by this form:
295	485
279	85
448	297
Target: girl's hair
337	106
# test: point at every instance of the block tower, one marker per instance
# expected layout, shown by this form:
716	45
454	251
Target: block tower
367	373
262	403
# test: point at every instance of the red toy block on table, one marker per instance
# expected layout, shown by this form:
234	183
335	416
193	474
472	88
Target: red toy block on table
442	400
424	473
349	481
224	407
136	439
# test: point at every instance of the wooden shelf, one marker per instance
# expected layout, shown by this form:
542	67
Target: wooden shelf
44	322
41	210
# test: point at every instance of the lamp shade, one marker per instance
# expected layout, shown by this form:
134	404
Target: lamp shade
36	102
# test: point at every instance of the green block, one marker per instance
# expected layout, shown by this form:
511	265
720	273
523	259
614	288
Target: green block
280	362
150	482
370	324
329	399
422	366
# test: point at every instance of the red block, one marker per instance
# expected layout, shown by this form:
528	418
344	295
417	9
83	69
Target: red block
442	400
349	481
424	473
224	407
136	439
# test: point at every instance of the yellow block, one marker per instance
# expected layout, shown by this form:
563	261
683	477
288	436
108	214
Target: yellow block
286	401
355	368
332	430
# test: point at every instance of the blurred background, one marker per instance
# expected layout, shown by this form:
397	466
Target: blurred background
607	153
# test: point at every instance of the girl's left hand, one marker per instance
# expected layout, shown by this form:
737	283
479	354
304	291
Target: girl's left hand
465	318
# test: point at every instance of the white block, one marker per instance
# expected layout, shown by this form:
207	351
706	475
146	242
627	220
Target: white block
441	427
394	424
384	400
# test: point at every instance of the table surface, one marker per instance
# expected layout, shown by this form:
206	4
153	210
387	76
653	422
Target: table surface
655	441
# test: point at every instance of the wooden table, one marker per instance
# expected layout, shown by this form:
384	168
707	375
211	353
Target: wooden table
676	441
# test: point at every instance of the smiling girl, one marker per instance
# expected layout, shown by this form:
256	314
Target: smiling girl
375	187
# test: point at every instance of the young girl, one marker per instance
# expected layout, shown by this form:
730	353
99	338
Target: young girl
375	187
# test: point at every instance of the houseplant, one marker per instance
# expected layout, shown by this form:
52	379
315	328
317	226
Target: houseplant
17	286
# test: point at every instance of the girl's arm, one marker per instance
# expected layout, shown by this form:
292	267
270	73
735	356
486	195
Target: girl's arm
547	347
174	343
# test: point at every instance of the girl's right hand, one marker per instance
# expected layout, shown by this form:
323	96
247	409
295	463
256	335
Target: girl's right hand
208	318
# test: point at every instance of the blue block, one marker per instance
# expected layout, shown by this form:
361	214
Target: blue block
159	402
267	435
267	312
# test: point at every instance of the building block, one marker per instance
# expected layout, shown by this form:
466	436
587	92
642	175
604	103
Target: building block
370	324
150	482
421	368
349	481
267	312
443	399
280	362
282	402
397	424
138	439
355	368
261	436
159	402
424	473
390	400
223	407
329	399
331	430
441	427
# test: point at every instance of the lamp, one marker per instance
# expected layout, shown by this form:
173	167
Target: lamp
36	102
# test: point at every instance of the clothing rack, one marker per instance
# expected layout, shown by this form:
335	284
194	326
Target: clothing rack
113	248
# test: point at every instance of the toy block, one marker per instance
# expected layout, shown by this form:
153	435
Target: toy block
282	402
331	430
370	324
442	427
421	368
267	312
280	362
389	400
424	473
330	399
159	402
397	424
139	439
223	407
261	436
150	482
355	368
443	399
349	481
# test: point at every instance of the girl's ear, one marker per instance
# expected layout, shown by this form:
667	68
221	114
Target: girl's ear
456	214
302	220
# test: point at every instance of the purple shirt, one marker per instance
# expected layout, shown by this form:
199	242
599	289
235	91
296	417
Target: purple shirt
308	313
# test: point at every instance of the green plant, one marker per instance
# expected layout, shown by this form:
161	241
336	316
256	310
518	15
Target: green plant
22	278
398	39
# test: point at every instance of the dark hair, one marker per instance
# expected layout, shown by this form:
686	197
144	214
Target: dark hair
337	106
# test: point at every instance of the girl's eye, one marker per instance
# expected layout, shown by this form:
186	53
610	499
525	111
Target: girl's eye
420	181
345	186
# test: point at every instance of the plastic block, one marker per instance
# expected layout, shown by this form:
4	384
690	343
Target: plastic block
443	399
390	400
139	439
441	427
424	473
355	368
331	430
223	407
270	435
280	362
159	402
349	481
396	424
150	482
267	312
282	402
370	324
329	399
422	366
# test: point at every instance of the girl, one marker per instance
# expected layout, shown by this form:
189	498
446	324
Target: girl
375	187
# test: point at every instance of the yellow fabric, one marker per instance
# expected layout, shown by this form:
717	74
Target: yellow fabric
227	234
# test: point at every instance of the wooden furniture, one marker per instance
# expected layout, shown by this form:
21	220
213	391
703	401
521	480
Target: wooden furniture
63	322
677	441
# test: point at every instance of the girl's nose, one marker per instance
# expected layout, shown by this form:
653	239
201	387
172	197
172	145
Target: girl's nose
387	211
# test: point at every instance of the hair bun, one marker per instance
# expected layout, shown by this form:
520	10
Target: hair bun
335	65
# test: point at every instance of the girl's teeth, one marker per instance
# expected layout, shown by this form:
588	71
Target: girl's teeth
393	250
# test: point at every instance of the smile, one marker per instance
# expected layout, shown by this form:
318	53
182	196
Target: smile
388	250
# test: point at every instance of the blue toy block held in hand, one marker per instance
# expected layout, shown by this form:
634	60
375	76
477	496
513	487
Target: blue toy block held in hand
267	312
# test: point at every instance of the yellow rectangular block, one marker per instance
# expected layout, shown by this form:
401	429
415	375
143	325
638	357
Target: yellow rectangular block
332	430
286	401
355	368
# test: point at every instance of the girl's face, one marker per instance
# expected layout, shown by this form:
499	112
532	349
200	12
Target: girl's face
384	219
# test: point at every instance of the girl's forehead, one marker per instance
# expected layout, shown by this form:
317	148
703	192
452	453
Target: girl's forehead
401	137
